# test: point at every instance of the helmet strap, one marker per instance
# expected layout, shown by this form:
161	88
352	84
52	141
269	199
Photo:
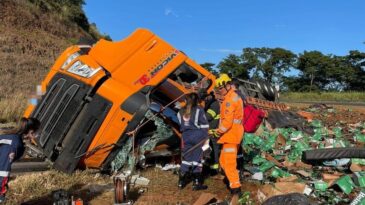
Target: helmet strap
225	87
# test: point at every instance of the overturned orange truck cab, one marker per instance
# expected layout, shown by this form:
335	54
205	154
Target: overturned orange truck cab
94	95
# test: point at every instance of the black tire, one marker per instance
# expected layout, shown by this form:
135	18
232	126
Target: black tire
264	89
293	198
313	156
270	92
260	87
276	94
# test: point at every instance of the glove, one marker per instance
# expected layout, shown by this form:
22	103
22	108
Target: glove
214	133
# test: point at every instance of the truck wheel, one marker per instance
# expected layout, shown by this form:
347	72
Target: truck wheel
260	88
271	92
271	89
121	191
276	94
265	90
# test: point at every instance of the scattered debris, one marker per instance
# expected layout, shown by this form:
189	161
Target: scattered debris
359	200
307	115
139	180
206	198
291	159
246	199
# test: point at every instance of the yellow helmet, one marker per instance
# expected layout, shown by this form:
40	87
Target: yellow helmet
222	80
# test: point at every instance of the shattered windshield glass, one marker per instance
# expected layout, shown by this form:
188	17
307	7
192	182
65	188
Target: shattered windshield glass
189	77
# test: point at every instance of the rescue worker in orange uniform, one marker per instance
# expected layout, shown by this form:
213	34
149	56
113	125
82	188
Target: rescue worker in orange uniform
230	131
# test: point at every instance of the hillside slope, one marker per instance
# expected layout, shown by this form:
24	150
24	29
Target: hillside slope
33	33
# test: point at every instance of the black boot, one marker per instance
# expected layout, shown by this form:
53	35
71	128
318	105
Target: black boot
236	191
198	182
182	180
236	195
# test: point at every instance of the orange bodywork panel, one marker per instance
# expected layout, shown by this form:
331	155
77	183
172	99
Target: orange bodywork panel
93	96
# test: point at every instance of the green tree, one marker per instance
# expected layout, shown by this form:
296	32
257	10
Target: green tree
210	67
268	63
339	73
293	84
234	66
357	61
313	66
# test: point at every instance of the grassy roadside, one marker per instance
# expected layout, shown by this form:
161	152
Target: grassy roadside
323	96
36	188
12	107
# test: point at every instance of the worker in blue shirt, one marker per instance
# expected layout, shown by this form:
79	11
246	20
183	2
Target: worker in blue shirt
194	128
12	148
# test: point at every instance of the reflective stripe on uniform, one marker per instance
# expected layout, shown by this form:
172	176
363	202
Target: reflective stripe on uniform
214	166
230	149
234	183
223	129
237	121
212	113
4	173
192	163
217	117
196	120
236	98
179	117
5	141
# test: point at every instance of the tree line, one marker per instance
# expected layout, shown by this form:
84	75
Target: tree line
314	71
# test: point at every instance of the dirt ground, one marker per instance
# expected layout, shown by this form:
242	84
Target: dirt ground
97	189
163	190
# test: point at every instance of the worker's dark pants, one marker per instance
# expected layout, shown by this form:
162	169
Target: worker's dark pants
216	150
192	158
240	158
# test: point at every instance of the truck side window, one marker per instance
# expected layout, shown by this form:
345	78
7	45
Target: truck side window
188	76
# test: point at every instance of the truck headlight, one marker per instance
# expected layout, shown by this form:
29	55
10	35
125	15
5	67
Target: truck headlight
70	59
83	70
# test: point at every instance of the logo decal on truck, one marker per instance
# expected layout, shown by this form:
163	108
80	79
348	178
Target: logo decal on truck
147	77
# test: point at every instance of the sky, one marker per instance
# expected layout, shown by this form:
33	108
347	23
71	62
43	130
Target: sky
210	30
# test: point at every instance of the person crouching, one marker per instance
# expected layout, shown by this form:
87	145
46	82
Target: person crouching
12	148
